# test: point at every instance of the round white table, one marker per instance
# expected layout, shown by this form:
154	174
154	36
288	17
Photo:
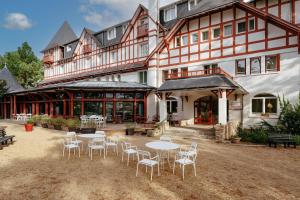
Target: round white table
161	146
91	136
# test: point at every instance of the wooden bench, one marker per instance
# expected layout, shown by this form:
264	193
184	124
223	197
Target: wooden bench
286	140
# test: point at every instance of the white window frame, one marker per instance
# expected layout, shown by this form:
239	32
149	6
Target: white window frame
112	59
124	27
68	48
176	38
213	33
252	18
224	32
109	36
202	36
192	38
237	26
195	2
169	8
144	52
182	43
263	106
144	75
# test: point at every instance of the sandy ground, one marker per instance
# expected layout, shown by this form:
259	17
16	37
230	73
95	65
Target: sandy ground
33	168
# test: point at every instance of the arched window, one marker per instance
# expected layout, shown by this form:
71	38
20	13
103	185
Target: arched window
265	103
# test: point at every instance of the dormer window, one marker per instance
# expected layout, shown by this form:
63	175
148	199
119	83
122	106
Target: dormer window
170	13
193	4
68	48
111	34
124	27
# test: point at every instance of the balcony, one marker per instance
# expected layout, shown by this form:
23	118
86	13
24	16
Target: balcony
198	73
142	30
87	49
48	59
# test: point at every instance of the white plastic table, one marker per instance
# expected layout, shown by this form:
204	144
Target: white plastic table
91	136
161	146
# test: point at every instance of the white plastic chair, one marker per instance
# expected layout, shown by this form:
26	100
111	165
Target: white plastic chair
188	150
97	144
184	160
74	139
112	142
100	132
165	155
129	150
144	158
68	144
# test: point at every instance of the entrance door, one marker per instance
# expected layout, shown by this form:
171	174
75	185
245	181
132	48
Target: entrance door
206	110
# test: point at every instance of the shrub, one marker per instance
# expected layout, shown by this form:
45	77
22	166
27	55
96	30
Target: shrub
289	119
73	123
45	120
297	139
59	121
257	135
36	119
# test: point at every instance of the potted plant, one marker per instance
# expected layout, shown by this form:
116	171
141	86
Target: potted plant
235	139
45	120
58	123
36	120
72	125
130	129
29	125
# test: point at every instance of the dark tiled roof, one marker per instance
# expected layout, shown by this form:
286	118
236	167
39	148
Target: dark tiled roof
206	6
63	36
101	72
214	81
11	83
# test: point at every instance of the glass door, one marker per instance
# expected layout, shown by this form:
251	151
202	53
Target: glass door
109	108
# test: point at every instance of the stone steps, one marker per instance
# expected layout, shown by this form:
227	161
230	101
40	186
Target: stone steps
191	132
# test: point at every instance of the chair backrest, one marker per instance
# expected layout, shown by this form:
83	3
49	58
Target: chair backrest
165	139
67	141
194	146
143	155
71	134
125	145
98	141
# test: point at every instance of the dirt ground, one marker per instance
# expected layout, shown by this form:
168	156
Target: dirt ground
33	168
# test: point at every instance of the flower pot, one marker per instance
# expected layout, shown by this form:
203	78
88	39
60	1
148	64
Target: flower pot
58	127
235	140
130	131
45	125
73	129
87	130
28	127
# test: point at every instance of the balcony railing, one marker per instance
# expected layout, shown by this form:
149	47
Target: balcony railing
198	73
48	59
142	30
87	49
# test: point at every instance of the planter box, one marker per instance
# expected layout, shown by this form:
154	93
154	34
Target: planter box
45	125
87	130
58	127
130	131
28	127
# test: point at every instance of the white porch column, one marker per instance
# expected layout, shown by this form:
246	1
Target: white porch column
163	108
222	118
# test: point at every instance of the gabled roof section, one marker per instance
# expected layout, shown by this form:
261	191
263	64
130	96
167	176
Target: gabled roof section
64	35
206	6
133	20
91	34
11	83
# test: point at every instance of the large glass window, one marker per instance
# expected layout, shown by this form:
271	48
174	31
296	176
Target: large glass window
240	66
111	34
228	30
193	4
144	50
77	108
94	95
265	103
251	24
185	40
204	36
172	105
272	63
195	38
93	108
255	65
216	33
241	27
140	108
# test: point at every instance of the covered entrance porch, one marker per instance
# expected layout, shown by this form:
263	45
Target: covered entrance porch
204	100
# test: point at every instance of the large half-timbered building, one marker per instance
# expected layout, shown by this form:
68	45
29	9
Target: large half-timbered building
204	62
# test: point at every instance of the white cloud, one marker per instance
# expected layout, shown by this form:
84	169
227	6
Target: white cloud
112	11
17	21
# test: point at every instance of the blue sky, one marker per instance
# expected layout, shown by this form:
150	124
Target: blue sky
36	21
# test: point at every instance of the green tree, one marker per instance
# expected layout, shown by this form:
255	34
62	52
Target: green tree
24	65
3	88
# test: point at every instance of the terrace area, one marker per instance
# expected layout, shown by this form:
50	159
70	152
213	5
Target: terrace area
34	168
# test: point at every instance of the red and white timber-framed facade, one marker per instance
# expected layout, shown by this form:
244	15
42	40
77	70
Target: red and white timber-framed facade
201	62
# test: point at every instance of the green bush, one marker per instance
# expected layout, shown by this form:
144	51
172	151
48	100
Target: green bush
73	123
59	121
256	135
297	139
45	120
36	119
30	121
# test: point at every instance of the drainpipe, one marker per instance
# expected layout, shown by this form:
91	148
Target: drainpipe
242	111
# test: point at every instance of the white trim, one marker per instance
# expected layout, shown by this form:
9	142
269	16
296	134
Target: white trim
110	37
